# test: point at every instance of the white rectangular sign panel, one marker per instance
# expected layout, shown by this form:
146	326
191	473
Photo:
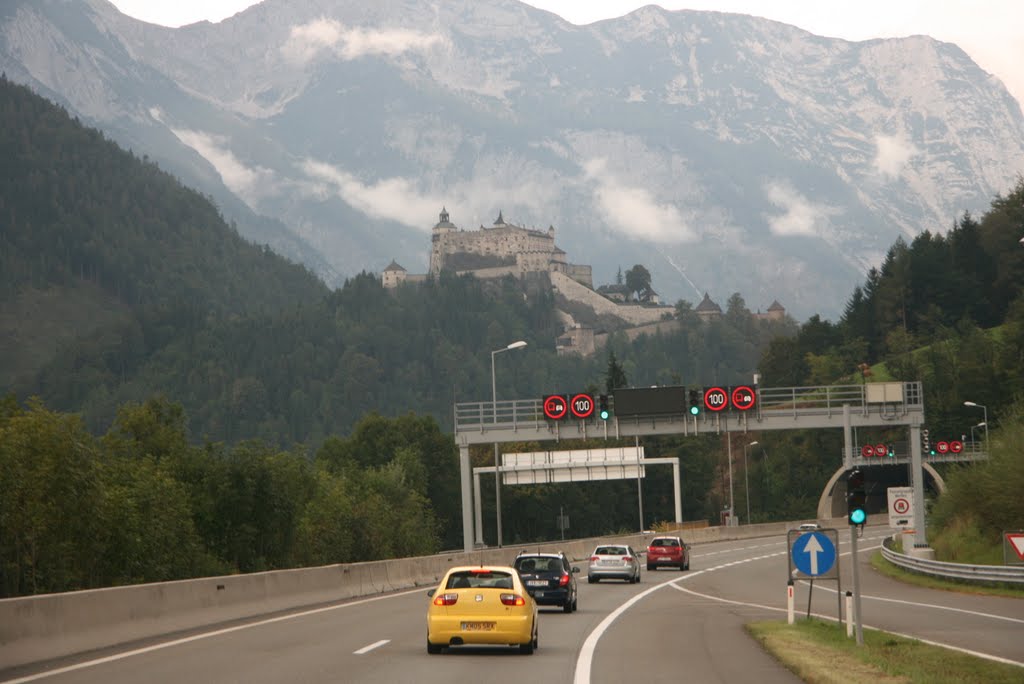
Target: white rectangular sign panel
577	465
901	507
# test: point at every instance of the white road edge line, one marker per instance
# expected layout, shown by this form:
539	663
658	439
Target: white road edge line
831	618
195	637
376	644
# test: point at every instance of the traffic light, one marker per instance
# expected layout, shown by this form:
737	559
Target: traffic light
892	451
694	402
602	407
856	498
926	443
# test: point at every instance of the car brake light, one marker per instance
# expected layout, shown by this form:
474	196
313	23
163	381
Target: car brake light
480	571
446	599
627	558
513	600
563	580
594	559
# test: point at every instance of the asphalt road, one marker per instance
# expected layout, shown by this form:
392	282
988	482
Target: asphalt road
673	626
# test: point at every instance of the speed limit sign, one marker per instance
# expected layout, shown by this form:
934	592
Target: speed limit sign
582	406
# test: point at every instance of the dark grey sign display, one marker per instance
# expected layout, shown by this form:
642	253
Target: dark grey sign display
649	401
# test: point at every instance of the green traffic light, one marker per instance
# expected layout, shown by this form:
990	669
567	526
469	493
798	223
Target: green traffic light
694	410
858	516
605	414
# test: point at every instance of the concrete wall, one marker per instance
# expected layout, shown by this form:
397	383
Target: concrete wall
631	313
37	628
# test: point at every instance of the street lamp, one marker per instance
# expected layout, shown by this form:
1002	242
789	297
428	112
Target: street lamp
984	421
746	480
976	426
494	413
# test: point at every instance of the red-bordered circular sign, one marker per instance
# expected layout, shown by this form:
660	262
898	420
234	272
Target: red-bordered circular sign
942	447
555	406
867	451
743	398
881	450
956	446
716	399
582	405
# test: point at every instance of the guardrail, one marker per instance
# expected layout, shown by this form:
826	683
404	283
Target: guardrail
956	571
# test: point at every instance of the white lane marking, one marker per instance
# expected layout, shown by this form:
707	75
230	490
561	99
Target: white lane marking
586	657
195	637
376	644
831	618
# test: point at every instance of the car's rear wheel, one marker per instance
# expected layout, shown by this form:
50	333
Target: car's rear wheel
650	567
531	645
434	649
567	606
591	579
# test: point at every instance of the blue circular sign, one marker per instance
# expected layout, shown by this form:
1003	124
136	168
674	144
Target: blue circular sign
814	554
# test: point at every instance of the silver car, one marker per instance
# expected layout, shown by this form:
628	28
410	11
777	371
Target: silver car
614	561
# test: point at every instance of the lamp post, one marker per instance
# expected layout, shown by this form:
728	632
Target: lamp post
976	426
984	420
494	413
746	480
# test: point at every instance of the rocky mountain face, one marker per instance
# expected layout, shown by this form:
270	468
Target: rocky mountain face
723	152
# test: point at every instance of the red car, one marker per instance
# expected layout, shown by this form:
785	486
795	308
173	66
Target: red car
670	551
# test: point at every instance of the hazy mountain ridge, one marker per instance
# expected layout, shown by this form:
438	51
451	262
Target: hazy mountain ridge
726	153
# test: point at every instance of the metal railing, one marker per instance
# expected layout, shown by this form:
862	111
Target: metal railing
771	401
954	571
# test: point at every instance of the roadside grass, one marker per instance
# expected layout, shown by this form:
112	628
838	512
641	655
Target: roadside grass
820	653
889	570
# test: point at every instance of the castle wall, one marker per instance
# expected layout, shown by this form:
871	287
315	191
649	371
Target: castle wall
631	313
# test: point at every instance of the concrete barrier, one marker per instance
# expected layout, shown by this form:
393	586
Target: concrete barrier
38	628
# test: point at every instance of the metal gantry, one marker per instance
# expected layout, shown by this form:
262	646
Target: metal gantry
845	407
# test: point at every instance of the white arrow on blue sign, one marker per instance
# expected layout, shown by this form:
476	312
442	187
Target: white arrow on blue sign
814	554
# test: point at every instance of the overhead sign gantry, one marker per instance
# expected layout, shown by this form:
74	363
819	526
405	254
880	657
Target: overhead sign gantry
668	411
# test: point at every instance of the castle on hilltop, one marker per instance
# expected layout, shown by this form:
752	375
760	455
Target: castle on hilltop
506	249
501	250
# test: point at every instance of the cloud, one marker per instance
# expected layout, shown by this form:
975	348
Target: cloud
399	199
800	216
250	183
635	210
892	154
394	199
307	40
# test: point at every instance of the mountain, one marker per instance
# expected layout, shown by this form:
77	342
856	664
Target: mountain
725	153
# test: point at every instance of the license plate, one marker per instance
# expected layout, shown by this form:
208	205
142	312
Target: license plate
477	626
662	560
537	583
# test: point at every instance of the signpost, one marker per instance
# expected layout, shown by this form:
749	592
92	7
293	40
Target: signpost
812	555
901	506
1013	548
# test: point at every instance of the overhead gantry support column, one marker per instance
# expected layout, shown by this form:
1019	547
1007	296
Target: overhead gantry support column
917	471
466	478
677	490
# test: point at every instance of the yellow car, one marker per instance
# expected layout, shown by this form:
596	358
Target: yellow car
485	604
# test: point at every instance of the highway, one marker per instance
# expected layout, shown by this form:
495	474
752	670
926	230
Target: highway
672	626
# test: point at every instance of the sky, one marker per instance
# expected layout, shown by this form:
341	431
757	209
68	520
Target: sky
990	31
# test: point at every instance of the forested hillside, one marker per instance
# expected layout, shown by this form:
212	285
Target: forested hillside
118	283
